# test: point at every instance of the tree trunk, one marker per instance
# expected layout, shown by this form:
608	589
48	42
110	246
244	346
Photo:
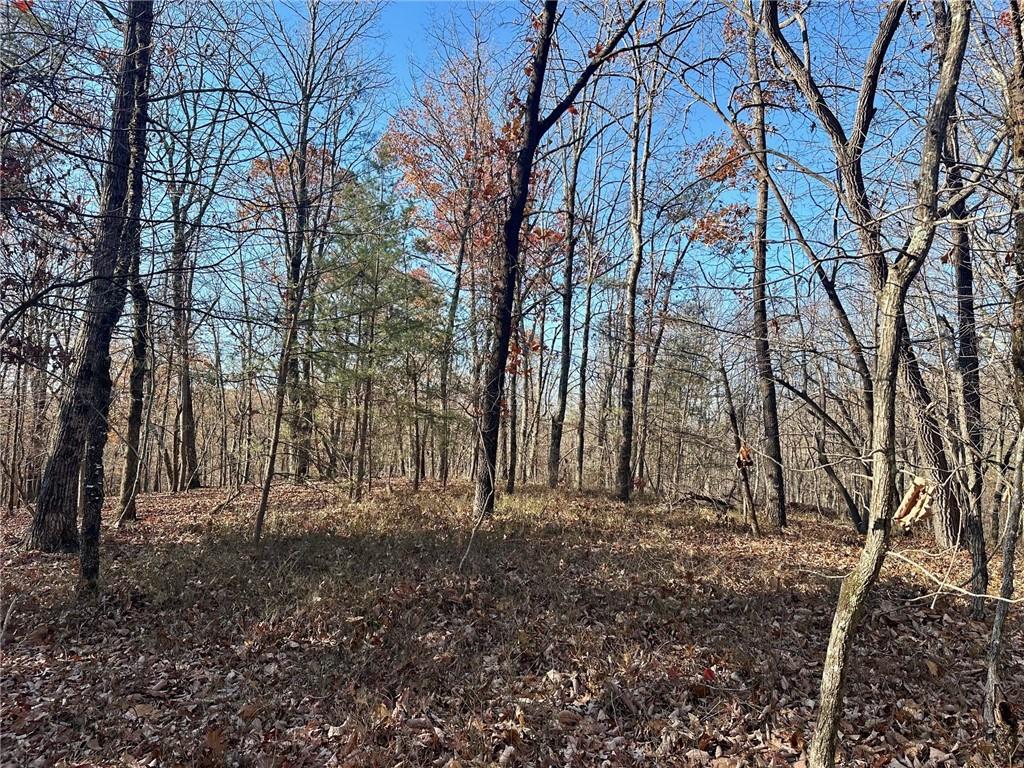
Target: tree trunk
306	402
762	352
581	428
849	503
970	402
1006	587
136	392
280	392
363	448
641	142
532	130
558	416
855	587
448	351
511	423
1013	518
129	258
748	496
890	328
507	274
947	519
83	410
188	459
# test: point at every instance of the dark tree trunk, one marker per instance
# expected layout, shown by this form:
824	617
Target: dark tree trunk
947	519
532	130
187	466
293	302
363	448
507	274
641	137
512	460
298	275
83	410
136	392
970	394
306	400
448	352
299	251
748	496
1013	521
624	471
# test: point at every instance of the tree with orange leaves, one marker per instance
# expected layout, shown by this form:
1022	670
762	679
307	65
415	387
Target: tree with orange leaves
454	159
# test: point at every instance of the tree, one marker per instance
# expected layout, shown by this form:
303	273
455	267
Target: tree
200	139
891	282
136	386
303	165
645	91
1015	124
454	164
531	128
81	423
765	375
578	145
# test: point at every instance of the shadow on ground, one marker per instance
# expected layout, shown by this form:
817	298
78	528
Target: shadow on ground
579	631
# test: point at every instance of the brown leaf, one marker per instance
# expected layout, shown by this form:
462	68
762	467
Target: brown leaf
568	718
214	742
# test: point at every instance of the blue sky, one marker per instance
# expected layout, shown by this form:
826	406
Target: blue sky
406	28
404	25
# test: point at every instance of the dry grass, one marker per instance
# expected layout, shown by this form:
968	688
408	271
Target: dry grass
581	632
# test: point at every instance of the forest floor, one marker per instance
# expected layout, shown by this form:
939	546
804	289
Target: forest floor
579	633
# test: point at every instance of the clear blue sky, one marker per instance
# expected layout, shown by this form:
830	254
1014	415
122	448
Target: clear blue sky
405	25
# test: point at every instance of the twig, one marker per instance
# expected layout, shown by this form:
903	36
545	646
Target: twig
7	617
952	587
234	494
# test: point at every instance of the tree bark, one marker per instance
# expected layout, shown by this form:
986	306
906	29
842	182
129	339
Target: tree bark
1006	587
558	416
581	428
507	275
83	410
187	470
855	587
136	393
641	142
762	351
448	352
532	131
890	327
1015	118
293	305
970	418
947	520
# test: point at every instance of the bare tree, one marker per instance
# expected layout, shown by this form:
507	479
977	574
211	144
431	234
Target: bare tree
765	375
81	430
891	282
532	129
311	121
1015	124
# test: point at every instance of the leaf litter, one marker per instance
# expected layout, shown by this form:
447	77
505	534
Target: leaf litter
580	633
